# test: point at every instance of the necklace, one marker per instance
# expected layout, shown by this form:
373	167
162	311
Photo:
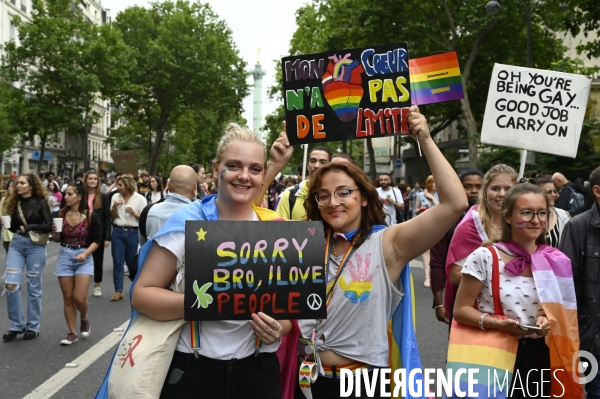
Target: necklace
334	253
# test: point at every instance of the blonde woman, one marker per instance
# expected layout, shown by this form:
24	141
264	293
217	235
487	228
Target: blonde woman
125	209
481	223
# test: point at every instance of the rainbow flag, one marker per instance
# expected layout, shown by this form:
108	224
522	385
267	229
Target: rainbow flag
435	79
404	351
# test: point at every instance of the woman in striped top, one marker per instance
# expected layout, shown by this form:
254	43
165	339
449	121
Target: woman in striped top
558	218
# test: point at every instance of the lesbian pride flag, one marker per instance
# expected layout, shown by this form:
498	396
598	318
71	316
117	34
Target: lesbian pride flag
435	79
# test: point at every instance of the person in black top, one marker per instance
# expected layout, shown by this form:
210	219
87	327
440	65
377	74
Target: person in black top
99	202
30	213
80	235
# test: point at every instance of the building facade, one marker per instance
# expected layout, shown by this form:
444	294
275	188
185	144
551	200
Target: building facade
67	154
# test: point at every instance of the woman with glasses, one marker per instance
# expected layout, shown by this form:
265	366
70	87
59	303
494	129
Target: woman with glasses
364	260
557	218
99	202
29	213
536	292
79	237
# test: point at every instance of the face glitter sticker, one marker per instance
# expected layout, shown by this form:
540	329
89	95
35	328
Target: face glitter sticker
223	173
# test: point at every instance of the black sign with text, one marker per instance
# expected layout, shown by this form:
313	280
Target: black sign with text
236	268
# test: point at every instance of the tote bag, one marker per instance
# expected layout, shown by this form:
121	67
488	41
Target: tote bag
493	352
143	358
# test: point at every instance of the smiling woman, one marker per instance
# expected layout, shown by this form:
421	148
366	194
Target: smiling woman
537	290
228	362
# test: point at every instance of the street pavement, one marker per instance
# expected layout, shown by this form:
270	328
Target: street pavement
36	369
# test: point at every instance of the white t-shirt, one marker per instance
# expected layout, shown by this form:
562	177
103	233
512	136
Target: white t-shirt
388	207
124	219
518	294
223	340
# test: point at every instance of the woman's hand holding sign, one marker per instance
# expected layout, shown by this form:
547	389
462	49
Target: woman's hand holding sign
268	329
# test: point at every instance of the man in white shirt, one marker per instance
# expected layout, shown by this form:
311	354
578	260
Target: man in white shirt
391	198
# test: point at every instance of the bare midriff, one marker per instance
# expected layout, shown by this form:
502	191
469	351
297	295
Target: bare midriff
330	358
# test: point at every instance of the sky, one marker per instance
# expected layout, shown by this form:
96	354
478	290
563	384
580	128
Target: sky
265	24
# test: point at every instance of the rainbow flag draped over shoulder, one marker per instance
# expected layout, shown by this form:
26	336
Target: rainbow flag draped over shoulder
404	351
435	79
553	278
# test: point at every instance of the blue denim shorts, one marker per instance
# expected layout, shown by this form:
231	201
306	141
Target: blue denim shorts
67	266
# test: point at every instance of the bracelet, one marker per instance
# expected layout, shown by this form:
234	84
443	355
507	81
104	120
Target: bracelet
437	307
481	321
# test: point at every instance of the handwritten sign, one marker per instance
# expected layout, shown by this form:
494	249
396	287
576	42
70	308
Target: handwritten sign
236	268
347	94
535	110
125	162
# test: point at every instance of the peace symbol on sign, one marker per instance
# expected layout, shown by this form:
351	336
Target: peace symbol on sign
314	301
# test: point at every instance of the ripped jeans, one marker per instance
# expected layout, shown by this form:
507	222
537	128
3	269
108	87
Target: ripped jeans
22	252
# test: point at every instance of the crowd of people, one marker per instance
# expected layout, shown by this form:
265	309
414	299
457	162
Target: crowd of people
537	234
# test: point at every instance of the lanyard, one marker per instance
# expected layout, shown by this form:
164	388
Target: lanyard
311	348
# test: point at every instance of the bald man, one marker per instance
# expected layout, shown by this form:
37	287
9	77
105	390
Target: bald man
182	188
566	188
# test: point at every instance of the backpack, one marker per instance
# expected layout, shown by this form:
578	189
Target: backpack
133	268
576	202
292	198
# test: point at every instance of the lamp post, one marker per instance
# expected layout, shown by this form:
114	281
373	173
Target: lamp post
492	8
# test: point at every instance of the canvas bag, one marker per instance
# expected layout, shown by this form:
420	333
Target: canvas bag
36	237
490	351
140	365
143	358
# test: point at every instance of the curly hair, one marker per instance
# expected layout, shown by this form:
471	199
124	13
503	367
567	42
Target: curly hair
508	205
37	190
371	215
484	209
128	182
97	195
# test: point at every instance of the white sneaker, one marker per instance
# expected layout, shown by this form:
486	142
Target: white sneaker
97	291
126	271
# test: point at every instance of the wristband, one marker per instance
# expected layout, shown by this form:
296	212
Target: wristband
481	321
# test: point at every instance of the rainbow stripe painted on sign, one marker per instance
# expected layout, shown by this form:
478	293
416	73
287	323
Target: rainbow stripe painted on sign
435	79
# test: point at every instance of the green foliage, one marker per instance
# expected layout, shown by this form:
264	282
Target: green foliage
429	28
186	67
577	16
62	63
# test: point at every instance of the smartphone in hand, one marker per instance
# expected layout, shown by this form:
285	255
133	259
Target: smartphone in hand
531	328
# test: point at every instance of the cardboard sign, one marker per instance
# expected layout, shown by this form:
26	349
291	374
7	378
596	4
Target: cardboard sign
125	162
435	79
535	110
236	268
347	94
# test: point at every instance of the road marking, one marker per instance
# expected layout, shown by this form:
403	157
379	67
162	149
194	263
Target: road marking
66	375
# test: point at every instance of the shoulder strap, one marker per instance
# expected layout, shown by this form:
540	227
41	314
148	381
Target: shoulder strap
21	213
495	281
292	198
142	221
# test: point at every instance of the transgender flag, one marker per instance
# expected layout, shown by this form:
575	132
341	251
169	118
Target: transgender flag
435	79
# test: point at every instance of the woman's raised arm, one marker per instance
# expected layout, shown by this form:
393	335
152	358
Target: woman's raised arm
404	242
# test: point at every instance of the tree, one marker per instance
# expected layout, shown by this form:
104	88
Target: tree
186	66
61	63
578	16
430	28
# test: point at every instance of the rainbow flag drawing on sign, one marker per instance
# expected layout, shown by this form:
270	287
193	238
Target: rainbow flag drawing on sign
435	79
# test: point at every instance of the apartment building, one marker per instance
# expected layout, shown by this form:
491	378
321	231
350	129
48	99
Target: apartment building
68	153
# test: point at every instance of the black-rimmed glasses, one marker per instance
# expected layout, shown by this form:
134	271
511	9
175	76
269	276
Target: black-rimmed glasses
341	195
527	215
